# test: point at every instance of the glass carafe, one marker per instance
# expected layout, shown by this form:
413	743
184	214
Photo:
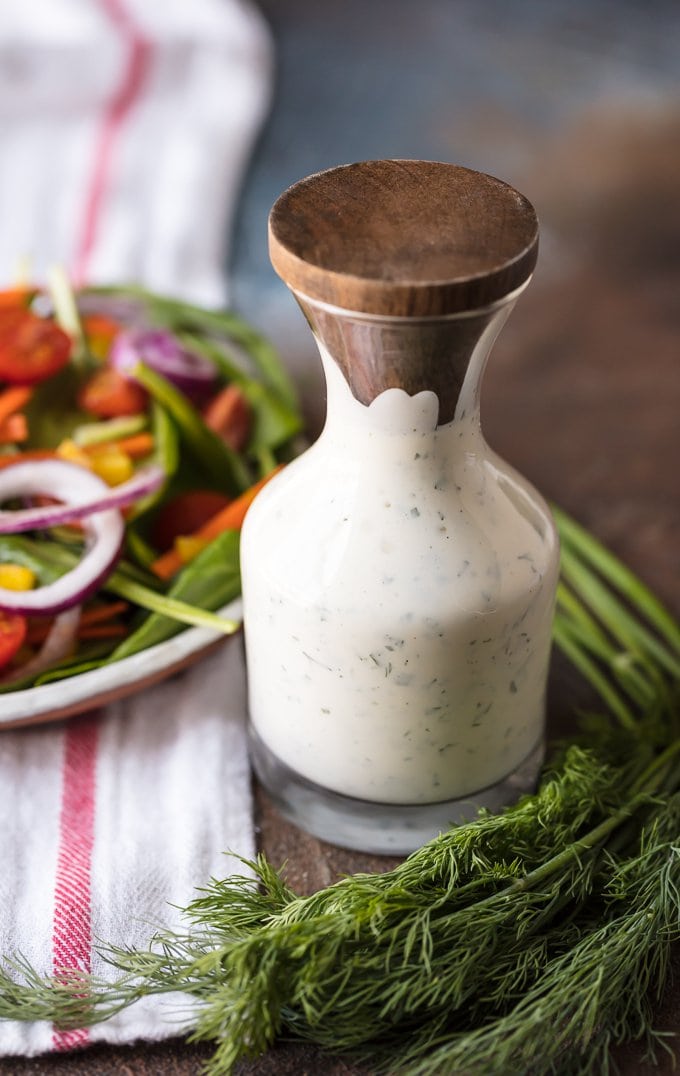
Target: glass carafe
399	577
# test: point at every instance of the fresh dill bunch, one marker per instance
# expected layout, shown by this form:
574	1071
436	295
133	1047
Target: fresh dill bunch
376	953
324	972
592	993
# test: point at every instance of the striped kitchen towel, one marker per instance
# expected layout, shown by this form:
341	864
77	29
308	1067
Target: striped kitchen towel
125	126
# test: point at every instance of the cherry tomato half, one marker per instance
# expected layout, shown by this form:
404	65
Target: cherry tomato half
11	317
108	394
12	634
31	348
17	297
229	415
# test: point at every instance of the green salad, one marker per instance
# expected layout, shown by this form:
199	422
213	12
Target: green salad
135	431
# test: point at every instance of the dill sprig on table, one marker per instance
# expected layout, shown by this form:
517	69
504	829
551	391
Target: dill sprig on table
596	988
526	942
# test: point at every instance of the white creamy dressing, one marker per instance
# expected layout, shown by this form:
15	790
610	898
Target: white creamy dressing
398	583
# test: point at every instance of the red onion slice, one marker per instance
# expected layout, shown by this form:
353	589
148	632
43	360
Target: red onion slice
82	492
108	531
193	374
56	647
105	532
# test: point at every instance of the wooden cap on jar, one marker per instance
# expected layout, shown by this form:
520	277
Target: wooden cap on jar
403	238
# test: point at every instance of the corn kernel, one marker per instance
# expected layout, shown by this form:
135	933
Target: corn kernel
189	546
16	577
112	465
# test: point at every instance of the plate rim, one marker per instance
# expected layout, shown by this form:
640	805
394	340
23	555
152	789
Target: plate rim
97	687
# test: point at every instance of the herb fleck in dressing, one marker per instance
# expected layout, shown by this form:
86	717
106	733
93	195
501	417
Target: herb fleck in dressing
398	584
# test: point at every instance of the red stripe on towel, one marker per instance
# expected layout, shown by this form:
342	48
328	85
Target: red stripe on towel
119	107
71	928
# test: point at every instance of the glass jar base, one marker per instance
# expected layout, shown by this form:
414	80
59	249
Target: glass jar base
380	828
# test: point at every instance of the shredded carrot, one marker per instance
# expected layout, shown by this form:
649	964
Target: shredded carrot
13	399
14	428
32	454
97	613
37	636
135	446
103	631
228	519
231	517
94	624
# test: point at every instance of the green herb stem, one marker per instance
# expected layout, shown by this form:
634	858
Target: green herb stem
630	672
135	592
626	628
577	538
67	316
570	643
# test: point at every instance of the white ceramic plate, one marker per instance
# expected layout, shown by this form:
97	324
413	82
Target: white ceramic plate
72	696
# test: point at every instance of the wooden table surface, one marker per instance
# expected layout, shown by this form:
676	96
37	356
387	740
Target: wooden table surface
582	395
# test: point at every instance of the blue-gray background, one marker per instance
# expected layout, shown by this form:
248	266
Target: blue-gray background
492	84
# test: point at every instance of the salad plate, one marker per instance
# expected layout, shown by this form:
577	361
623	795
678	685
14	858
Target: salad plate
98	687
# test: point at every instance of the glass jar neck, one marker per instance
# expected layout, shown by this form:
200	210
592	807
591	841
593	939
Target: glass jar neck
442	359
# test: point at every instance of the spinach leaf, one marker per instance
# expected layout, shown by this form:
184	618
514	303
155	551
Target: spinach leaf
17	549
209	582
166	455
275	423
52	412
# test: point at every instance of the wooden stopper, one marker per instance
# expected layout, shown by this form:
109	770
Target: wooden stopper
402	239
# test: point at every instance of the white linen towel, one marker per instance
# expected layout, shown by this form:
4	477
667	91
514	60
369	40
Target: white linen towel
125	126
